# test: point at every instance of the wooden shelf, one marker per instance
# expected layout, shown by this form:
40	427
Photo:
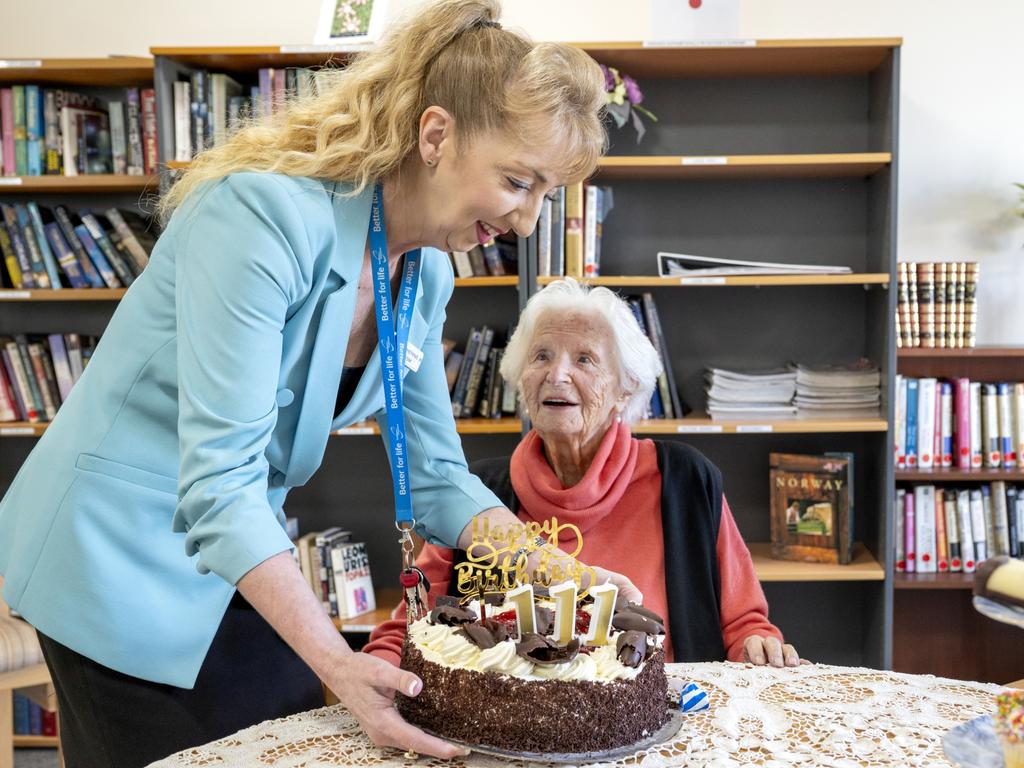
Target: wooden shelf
700	424
863	568
113	71
716	281
100	182
387	599
64	294
476	426
973	353
954	474
848	165
21	429
762	58
246	59
933	580
22	741
487	282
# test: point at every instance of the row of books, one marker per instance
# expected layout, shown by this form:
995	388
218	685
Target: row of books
937	304
474	381
962	423
665	402
495	258
570	228
812	391
30	719
209	107
53	131
338	571
38	373
54	249
953	529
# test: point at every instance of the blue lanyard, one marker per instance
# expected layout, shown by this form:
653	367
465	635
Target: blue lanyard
393	343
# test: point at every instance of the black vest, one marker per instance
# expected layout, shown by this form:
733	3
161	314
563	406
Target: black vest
691	511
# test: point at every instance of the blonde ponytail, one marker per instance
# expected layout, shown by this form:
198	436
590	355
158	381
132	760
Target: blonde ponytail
451	53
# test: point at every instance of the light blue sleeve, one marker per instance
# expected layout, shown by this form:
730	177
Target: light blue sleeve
445	495
238	269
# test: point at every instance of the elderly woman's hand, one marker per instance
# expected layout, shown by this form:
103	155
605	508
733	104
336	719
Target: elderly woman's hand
366	685
769	650
627	589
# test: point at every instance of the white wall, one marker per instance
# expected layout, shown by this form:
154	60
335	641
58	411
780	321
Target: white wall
961	111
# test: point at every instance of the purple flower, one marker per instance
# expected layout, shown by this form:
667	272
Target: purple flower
632	90
609	78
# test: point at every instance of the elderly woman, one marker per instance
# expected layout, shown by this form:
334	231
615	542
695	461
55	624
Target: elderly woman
651	510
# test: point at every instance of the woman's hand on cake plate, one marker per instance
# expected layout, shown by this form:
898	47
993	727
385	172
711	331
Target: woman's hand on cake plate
770	650
366	686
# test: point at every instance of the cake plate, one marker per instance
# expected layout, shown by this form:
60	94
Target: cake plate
1008	614
973	744
663	734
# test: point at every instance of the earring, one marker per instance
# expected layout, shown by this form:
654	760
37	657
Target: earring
430	163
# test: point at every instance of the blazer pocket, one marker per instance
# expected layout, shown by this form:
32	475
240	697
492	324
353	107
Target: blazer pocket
142	477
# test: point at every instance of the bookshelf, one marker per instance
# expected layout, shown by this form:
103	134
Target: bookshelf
961	643
792	157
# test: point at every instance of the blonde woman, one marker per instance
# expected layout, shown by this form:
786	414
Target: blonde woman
158	489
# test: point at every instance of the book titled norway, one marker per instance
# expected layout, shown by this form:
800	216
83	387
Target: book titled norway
811	517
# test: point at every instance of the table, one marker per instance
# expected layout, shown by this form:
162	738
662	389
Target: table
814	715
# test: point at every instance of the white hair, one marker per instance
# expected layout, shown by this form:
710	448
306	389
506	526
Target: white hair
639	363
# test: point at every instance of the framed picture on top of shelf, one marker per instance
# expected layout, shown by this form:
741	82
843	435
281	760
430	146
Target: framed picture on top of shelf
811	508
344	22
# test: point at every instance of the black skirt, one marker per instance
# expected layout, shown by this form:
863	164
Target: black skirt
112	720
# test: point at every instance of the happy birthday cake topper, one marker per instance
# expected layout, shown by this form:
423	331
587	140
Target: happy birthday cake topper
496	559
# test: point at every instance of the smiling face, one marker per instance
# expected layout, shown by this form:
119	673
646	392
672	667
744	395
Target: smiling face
571	383
486	187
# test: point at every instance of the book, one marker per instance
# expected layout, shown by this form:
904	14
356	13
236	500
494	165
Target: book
810	508
118	137
979	533
462	380
926	422
138	254
669	399
353	580
574	206
975	420
10	258
149	137
476	372
924	528
990	426
85	264
945	453
65	256
901	544
1000	519
1004	416
133	131
99	236
61	365
968	549
912	413
686	265
947	540
96	257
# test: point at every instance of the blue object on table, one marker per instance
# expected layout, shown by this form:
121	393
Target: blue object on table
693	698
974	744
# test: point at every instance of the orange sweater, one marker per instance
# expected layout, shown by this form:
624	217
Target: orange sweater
617	507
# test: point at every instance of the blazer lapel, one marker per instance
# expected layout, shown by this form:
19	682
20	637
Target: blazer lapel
327	358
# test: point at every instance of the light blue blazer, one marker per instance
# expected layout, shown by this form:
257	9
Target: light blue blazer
211	394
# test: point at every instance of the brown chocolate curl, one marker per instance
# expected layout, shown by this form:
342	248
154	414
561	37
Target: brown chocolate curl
628	620
631	648
451	615
545	651
484	635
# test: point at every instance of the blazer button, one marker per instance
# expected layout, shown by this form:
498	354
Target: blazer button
285	397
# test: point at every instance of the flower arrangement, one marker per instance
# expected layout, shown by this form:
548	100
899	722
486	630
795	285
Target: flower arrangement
623	98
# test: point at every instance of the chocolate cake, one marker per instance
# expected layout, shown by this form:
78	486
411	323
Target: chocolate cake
484	685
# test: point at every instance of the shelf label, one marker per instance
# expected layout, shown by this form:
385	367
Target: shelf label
753	427
705	160
17	431
702	281
721	43
354	431
20	63
15	295
699	429
10	181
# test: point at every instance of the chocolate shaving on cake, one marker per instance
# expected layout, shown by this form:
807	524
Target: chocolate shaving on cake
545	620
545	651
631	648
494	598
451	615
484	635
446	600
636	608
631	621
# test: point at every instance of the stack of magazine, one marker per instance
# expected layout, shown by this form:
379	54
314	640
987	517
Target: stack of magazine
734	394
686	265
828	391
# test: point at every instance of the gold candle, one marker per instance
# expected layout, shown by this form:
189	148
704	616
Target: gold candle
601	618
564	596
522	602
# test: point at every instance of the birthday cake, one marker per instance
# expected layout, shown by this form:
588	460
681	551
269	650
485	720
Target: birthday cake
542	686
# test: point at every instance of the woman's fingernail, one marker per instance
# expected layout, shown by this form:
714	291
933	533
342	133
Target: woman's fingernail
414	687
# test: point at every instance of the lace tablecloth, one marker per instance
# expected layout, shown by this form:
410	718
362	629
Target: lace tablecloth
814	715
